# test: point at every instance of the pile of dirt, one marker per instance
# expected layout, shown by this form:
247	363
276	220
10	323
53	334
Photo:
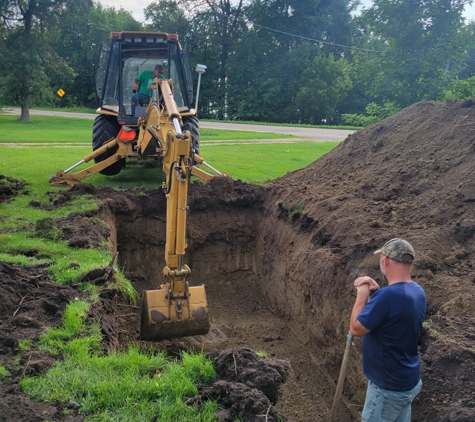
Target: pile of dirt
10	187
409	176
247	387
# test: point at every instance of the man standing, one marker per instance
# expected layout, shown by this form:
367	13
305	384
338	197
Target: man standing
390	319
143	85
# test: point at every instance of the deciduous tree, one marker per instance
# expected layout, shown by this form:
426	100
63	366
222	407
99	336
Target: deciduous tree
28	63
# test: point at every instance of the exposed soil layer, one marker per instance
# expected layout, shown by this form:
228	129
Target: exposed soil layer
279	262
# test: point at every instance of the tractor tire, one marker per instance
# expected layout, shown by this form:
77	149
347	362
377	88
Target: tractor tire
105	128
192	124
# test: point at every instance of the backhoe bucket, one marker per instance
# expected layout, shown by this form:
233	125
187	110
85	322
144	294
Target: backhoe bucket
163	317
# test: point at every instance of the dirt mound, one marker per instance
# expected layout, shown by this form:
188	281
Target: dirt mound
247	387
409	176
246	367
80	231
10	187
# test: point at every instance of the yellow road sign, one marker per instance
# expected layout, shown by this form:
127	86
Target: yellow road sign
60	92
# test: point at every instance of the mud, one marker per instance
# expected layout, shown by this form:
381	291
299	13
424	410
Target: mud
279	261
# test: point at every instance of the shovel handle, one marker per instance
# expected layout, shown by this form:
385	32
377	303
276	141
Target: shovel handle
341	378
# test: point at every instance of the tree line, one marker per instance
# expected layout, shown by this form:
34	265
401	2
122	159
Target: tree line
283	61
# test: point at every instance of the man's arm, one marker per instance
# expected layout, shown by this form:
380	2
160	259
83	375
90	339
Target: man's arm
362	296
135	85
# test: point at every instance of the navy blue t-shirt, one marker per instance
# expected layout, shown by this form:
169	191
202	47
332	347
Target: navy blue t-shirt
394	316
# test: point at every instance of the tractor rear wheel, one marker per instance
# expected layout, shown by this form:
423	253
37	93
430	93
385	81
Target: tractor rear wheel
105	128
192	124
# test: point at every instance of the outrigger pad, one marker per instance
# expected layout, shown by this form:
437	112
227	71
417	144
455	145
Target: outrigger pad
159	321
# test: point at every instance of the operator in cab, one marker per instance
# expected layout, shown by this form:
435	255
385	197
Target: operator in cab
143	85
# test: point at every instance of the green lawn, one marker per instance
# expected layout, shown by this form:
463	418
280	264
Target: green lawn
255	163
49	129
43	129
259	163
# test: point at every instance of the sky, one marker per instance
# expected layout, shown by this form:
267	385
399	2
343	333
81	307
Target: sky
136	7
469	10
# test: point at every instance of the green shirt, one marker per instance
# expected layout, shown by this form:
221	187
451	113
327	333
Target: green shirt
145	79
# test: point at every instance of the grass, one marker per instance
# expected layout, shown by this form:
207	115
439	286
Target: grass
292	210
68	109
209	135
45	129
56	340
66	130
3	373
127	386
25	345
261	163
256	163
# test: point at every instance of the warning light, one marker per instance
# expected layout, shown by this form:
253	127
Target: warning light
126	134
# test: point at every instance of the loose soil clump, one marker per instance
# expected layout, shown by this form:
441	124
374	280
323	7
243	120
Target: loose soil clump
247	387
10	187
279	261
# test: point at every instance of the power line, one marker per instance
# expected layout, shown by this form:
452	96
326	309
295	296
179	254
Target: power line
319	41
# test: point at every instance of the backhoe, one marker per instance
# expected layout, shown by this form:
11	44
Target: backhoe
162	126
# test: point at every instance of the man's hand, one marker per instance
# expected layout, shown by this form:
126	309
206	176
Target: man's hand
361	281
363	286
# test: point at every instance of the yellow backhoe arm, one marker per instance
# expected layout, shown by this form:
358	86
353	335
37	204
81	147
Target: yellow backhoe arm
175	309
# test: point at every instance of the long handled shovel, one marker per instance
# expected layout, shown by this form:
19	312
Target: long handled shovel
341	378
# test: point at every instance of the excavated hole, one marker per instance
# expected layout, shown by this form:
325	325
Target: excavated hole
226	253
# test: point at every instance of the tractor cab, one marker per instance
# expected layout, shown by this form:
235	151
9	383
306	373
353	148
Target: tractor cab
131	53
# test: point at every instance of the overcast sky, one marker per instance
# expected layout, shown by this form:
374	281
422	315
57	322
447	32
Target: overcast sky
136	7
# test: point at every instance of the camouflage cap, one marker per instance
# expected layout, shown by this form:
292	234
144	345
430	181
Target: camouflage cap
398	250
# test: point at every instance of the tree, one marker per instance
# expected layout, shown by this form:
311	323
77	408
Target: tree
166	16
216	28
28	63
78	35
423	47
270	60
322	86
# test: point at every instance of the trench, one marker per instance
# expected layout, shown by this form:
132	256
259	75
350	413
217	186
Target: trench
250	266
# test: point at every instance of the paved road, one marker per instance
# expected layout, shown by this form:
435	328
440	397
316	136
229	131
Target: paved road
312	134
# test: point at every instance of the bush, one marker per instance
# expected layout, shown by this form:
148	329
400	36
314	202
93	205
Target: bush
375	113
